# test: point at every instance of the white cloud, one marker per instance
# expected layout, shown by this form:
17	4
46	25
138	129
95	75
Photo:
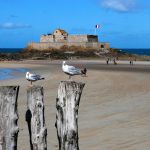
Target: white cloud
10	25
119	5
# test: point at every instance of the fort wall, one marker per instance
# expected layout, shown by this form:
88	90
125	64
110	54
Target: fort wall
104	45
47	38
69	38
92	38
57	45
77	38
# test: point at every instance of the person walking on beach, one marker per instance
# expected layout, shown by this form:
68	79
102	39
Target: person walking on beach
131	60
107	61
115	63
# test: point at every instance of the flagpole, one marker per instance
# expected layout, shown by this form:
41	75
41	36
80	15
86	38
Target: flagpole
95	31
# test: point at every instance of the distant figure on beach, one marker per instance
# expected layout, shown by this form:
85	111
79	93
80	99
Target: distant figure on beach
135	59
114	60
131	63
131	60
107	61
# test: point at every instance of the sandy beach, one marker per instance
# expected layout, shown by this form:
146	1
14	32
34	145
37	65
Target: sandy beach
114	111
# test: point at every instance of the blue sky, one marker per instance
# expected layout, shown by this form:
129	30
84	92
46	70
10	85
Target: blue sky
123	23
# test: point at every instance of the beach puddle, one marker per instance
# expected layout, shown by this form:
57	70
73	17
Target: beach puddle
10	73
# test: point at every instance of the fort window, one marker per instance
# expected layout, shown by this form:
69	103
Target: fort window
102	46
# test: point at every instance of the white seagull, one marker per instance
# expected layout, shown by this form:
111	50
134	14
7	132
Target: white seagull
33	77
71	70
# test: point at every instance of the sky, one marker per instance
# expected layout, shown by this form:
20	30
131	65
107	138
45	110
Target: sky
123	23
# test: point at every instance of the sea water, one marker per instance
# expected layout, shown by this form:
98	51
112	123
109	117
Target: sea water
11	73
10	50
139	51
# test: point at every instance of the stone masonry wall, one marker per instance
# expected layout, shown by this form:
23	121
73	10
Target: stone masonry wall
44	46
92	38
47	38
77	38
60	38
69	38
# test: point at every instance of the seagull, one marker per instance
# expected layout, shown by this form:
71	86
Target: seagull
71	70
33	77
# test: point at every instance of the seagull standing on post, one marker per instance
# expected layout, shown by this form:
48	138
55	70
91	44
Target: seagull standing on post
33	77
71	70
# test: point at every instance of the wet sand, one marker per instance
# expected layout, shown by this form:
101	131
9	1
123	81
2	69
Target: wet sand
114	111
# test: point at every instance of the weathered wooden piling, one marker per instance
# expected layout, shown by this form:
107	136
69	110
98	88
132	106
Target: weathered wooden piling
35	118
67	104
8	117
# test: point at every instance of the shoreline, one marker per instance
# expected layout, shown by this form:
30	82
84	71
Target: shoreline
91	64
138	66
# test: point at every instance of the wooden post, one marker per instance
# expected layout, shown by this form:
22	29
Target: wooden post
35	118
8	117
67	104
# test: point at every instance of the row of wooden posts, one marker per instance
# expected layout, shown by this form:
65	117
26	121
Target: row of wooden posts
67	105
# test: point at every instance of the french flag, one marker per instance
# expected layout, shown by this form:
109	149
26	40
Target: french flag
97	26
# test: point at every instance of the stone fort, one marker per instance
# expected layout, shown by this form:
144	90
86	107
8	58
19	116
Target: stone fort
60	38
